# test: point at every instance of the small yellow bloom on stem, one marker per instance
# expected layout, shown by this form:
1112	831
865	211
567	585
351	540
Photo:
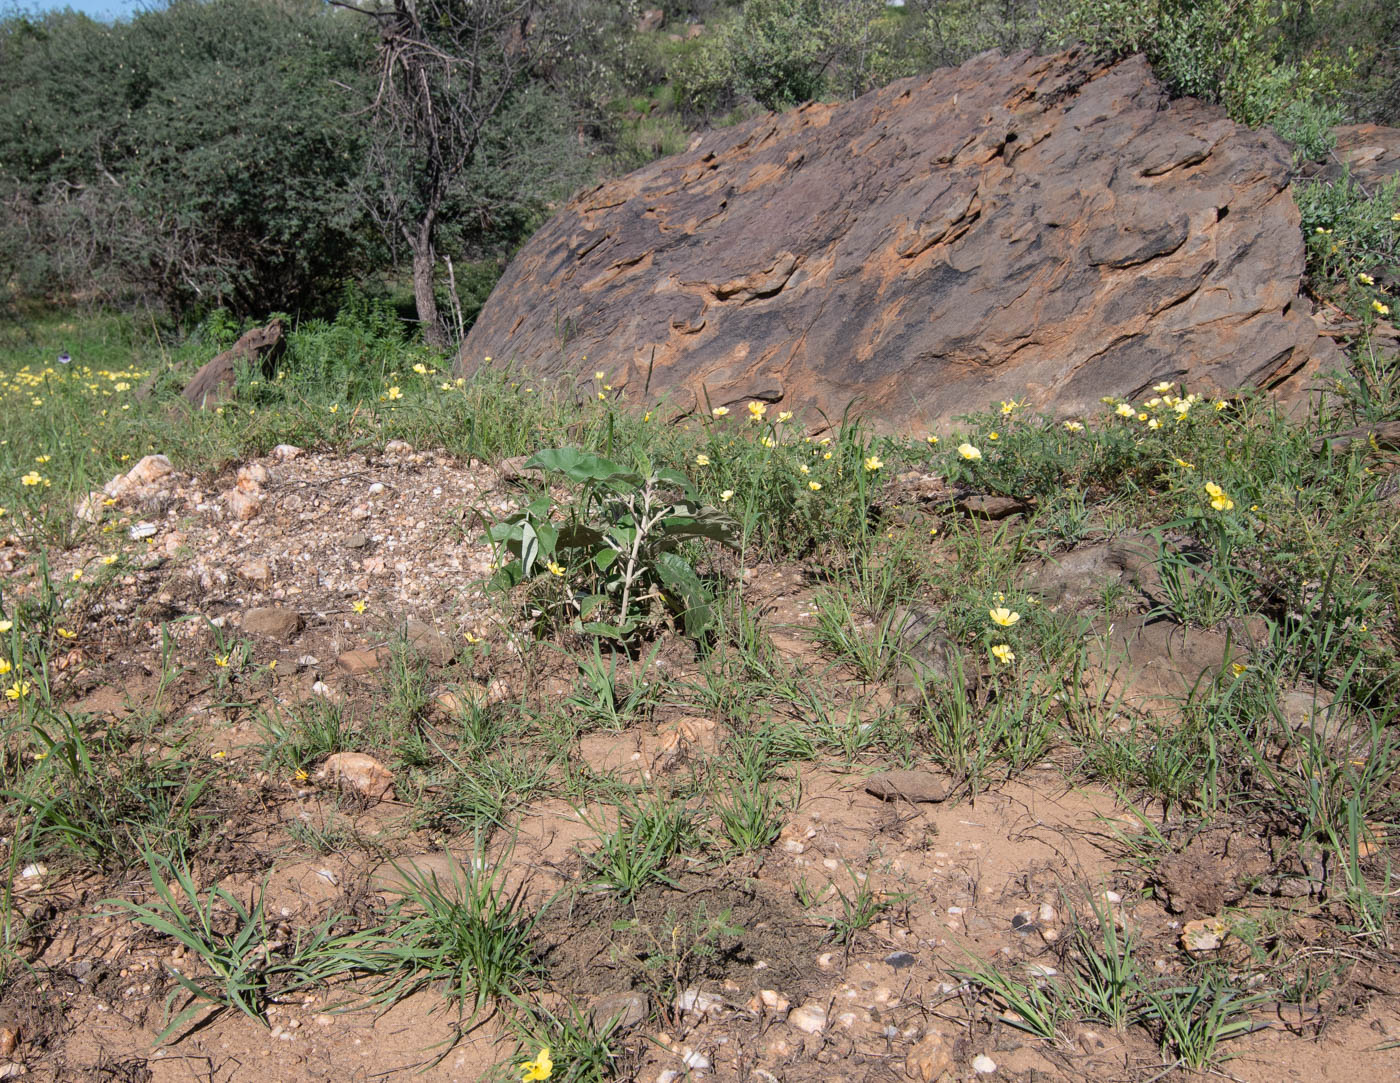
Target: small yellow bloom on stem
555	568
221	660
110	558
1219	500
726	496
77	574
815	486
1074	426
1365	279
873	463
66	633
1238	668
5	666
702	460
931	439
968	452
1003	654
757	410
1380	309
1003	616
395	393
17	691
786	415
1124	410
720	411
1162	388
359	606
539	1068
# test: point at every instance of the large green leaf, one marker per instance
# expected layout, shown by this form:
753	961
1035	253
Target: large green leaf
680	579
574	464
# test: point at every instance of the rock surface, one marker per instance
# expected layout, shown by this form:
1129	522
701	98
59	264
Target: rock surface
259	348
1042	229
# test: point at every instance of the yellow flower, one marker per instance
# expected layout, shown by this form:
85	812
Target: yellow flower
421	369
815	486
446	385
768	441
77	574
1009	407
395	393
1322	232
1074	426
1219	500
1380	309
931	439
32	478
1220	404
110	558
720	411
702	460
539	1068
300	774
1003	654
123	386
968	452
221	660
826	456
359	606
1124	410
6	625
1162	388
646	416
599	375
602	397
66	633
555	568
804	469
993	436
41	459
1142	417
1237	668
1003	616
726	496
873	463
1183	464
1365	279
5	666
18	690
1154	424
335	408
757	410
786	415
1182	408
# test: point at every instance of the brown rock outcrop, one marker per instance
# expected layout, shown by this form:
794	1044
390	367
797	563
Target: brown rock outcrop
260	348
1038	228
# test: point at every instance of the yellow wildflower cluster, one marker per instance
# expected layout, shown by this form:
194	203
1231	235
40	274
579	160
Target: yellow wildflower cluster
25	381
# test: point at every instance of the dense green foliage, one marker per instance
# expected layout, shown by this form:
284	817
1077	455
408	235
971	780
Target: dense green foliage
197	155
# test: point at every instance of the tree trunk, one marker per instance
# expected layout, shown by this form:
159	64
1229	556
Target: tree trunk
424	265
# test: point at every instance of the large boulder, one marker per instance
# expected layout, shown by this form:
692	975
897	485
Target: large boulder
1032	228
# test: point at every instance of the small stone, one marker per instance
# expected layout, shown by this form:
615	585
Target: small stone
256	572
9	1039
899	960
273	622
142	531
810	1018
12	1069
428	642
398	447
242	505
1047	913
914	786
252	476
285	452
699	1002
620	1011
322	689
359	772
1040	971
357	541
1204	935
150	469
36	871
983	1064
773	1000
695	1061
930	1059
376	488
1022	922
993	508
357	662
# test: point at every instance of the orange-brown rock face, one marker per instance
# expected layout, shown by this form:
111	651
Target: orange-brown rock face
1036	228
